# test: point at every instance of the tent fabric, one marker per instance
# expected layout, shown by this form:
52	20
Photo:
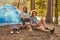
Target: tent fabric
9	15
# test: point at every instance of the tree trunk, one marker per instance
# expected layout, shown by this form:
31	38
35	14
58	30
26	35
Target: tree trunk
18	4
52	8
32	4
49	16
56	11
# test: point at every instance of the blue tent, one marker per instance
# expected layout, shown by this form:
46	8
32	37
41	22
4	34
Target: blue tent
9	15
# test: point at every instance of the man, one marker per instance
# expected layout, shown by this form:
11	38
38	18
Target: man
39	24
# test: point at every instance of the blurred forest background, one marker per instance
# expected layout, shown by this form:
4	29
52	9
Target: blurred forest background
41	6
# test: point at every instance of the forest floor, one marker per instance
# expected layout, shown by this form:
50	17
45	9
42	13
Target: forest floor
26	35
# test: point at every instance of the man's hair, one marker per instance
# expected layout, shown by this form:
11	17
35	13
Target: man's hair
33	12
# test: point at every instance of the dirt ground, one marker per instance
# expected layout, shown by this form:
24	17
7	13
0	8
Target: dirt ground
26	35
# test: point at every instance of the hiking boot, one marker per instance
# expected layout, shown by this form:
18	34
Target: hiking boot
52	31
47	28
17	31
11	32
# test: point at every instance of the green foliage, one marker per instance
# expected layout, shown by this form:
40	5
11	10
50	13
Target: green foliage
6	1
59	7
41	7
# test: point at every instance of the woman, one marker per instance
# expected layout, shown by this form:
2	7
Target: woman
38	24
25	16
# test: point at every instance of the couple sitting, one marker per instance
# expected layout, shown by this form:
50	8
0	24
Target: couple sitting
35	24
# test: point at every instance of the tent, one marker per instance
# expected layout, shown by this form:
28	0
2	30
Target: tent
9	15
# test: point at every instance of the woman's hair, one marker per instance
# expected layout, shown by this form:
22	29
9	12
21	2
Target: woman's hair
33	12
25	7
